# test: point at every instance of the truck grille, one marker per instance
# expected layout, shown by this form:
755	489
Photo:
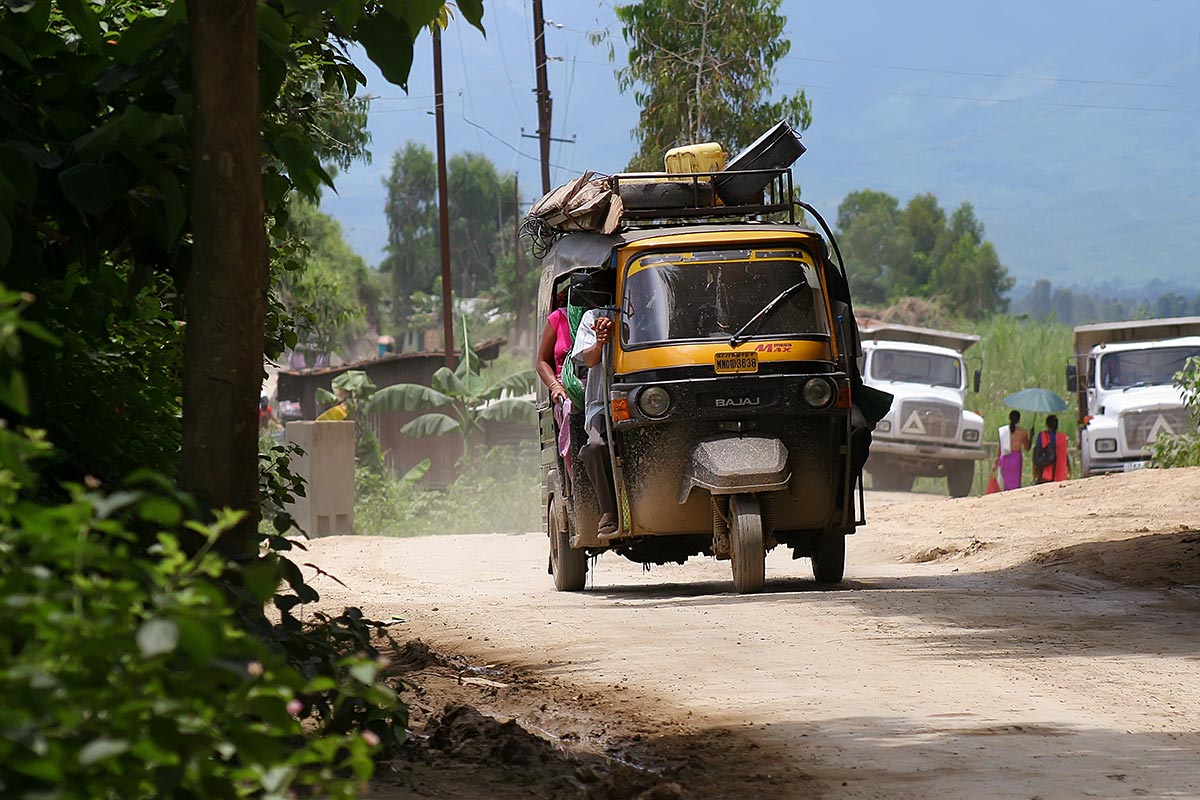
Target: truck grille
1139	427
927	420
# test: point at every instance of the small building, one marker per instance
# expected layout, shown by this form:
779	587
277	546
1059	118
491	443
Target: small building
401	452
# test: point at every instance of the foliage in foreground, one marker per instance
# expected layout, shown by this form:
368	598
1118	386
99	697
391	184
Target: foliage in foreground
1182	449
129	674
135	660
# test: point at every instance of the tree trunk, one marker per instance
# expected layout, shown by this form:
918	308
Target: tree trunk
226	290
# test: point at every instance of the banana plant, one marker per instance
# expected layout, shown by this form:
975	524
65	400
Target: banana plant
458	401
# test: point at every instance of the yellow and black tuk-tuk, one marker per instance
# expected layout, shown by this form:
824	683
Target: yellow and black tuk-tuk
728	388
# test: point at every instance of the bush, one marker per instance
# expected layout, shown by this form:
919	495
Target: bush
1182	449
497	491
127	673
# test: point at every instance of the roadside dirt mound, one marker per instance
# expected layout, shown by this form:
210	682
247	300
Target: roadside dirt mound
1138	528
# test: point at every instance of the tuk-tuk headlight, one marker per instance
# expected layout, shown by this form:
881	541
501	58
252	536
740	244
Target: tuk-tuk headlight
818	392
654	402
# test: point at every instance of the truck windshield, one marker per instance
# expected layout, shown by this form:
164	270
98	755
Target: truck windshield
709	295
906	366
1151	367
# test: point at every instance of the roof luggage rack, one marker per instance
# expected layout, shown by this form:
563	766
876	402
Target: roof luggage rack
654	198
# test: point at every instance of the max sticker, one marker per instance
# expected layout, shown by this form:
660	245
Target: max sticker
775	347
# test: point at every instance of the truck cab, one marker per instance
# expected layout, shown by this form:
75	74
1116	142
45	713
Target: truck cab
927	432
1123	377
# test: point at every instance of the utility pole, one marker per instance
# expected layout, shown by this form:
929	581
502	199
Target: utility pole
542	92
518	294
443	200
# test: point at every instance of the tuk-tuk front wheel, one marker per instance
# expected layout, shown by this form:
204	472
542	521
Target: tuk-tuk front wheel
748	554
829	558
567	565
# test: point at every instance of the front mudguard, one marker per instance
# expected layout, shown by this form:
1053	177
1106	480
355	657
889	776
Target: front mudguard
736	464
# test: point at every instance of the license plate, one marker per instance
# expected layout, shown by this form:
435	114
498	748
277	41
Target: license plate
1133	465
736	363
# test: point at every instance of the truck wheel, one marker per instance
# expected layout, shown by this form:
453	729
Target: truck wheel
959	477
829	558
567	565
748	554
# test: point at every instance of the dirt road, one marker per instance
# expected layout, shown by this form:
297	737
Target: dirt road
1040	643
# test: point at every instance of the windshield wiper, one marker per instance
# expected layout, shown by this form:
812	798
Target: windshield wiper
763	313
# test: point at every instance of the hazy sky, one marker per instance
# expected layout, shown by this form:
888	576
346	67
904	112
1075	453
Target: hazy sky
1068	124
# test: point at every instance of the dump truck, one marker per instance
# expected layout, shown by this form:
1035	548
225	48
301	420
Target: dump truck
1122	374
927	432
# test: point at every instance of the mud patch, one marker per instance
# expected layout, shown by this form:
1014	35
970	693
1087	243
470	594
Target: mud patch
515	735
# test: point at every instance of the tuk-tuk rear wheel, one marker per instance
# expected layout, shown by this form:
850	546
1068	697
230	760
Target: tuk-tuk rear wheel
748	555
567	565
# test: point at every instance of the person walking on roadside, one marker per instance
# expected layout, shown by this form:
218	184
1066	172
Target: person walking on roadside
1050	454
1013	439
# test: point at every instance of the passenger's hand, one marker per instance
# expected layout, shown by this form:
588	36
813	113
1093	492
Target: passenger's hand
603	328
558	394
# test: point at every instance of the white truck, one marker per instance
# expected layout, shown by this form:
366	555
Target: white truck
1122	374
926	432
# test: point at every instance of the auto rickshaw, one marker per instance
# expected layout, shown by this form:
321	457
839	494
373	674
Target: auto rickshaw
729	386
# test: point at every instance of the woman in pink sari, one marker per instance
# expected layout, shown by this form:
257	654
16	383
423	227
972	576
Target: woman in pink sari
1013	439
557	338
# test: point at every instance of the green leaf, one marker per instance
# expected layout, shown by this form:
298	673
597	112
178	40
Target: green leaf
510	410
173	205
431	425
448	383
197	640
405	397
100	749
364	671
472	11
14	393
262	579
157	636
416	473
85	23
417	14
88	187
10	48
161	511
519	383
18	169
388	43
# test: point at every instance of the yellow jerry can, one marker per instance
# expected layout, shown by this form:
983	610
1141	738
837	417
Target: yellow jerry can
707	157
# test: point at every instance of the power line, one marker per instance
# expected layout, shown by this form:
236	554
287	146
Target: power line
516	150
507	76
997	75
1008	100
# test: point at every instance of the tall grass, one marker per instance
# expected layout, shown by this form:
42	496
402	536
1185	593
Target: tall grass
1016	354
1013	354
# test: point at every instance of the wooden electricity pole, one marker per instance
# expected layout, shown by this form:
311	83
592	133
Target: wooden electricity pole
443	201
518	283
542	92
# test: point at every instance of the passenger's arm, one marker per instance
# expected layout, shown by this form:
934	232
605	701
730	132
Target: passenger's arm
545	364
603	328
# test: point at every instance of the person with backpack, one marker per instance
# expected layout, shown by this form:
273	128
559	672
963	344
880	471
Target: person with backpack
1050	454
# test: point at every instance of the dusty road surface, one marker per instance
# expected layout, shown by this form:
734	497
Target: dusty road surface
1042	643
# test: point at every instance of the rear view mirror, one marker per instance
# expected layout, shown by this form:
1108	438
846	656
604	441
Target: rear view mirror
1072	378
978	377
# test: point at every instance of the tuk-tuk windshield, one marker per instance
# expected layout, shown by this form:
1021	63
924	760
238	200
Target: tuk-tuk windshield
710	295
